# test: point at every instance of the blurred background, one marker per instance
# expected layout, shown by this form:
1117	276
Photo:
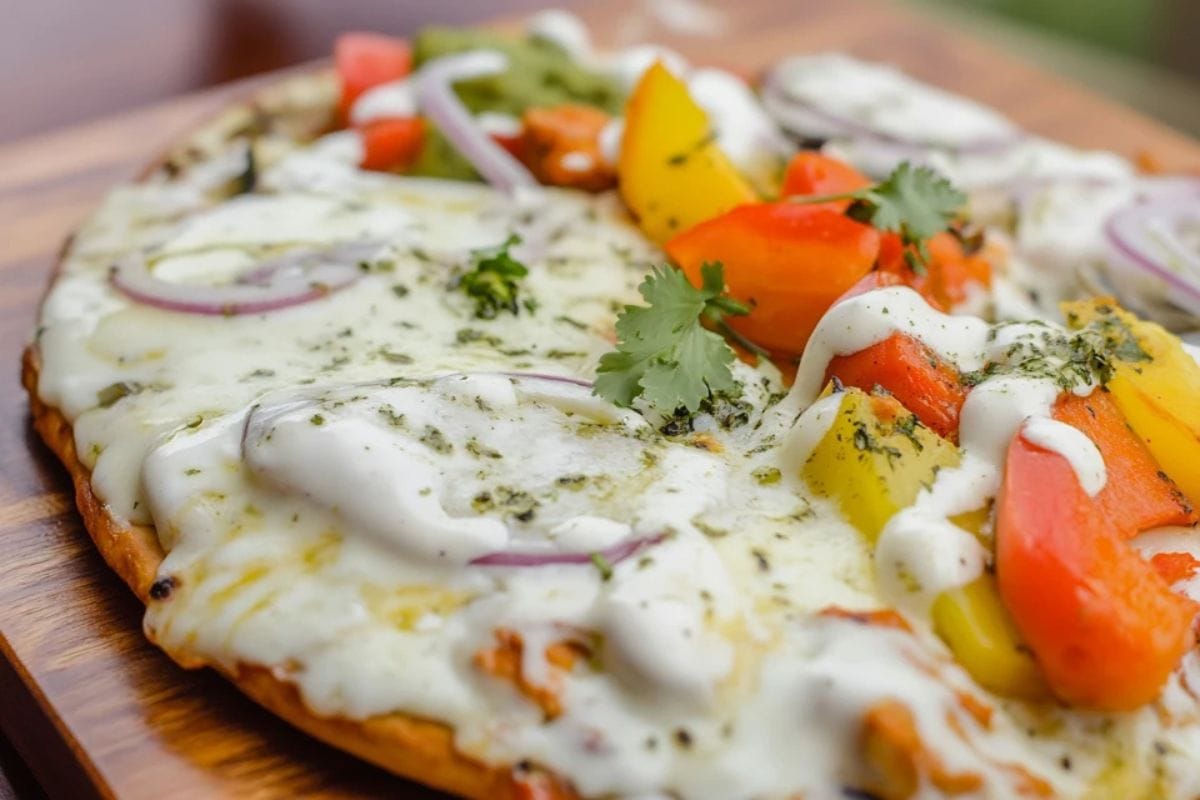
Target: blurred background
64	61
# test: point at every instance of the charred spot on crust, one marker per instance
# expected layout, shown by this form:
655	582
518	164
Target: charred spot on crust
161	589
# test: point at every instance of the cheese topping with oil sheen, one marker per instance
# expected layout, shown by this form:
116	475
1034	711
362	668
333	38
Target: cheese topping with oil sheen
328	482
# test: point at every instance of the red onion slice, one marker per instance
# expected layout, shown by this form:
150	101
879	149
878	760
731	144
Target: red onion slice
807	119
613	555
1161	237
543	376
289	280
438	102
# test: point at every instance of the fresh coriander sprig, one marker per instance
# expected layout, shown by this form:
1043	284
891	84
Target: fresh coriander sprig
494	283
664	353
915	202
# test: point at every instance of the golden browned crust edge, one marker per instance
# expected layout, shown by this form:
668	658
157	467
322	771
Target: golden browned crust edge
414	748
408	746
132	551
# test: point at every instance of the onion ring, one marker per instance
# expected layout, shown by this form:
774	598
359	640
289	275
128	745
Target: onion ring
438	102
290	280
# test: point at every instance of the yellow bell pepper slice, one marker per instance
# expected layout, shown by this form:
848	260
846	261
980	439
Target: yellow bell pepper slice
973	623
874	459
671	173
1155	383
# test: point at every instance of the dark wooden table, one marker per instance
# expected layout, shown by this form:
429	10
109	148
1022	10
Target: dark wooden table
86	702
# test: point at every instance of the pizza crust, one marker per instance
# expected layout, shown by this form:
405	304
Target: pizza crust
419	749
414	748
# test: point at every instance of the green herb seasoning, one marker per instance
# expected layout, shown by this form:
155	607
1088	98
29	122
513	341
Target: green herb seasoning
110	394
494	283
602	566
435	440
767	476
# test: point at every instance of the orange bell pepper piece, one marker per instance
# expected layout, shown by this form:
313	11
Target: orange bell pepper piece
504	661
919	378
561	146
1105	629
1174	567
949	271
792	262
1137	495
392	143
810	173
899	763
879	279
366	60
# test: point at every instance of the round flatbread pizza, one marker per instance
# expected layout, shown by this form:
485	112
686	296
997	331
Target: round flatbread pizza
541	422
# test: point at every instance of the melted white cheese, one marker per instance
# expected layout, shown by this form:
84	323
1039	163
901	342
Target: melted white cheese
883	99
322	477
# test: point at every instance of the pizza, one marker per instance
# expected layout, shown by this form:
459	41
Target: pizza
536	421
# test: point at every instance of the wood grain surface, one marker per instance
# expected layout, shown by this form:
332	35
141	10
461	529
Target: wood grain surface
89	705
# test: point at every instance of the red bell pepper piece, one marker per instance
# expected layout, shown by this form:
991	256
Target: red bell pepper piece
1137	495
949	271
1104	627
919	378
366	60
879	279
810	174
392	143
791	261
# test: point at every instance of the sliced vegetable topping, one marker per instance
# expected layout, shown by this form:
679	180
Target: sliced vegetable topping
392	143
874	459
1105	629
1137	495
915	375
790	262
664	354
561	145
437	100
810	173
366	60
948	274
881	279
539	73
914	202
604	559
974	624
1157	238
291	279
672	175
1174	567
1155	383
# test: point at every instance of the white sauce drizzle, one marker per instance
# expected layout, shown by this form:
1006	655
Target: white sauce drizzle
628	65
866	319
1073	445
319	556
388	100
563	29
610	140
745	132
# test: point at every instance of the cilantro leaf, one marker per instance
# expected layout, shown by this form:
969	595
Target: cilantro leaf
664	354
915	202
494	283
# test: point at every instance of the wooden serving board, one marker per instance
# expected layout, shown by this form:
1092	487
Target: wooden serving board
93	708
